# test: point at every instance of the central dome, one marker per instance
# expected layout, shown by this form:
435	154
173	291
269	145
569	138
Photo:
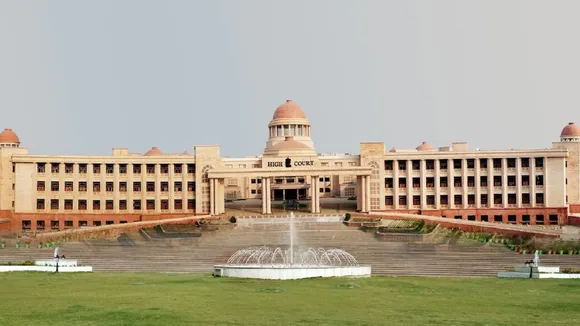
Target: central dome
289	110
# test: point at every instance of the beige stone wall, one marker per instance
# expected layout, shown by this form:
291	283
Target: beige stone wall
572	170
7	179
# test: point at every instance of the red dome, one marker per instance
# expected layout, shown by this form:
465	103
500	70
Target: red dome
424	147
571	130
289	110
154	151
8	136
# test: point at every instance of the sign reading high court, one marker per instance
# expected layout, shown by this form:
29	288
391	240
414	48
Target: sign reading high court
288	163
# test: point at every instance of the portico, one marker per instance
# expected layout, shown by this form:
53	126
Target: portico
311	177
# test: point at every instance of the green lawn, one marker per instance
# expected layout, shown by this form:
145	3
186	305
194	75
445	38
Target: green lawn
185	299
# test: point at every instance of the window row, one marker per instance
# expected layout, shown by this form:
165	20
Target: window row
82	204
458	199
497	163
512	219
82	186
42	225
96	168
498	181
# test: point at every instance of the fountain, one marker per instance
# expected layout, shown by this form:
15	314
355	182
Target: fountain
291	263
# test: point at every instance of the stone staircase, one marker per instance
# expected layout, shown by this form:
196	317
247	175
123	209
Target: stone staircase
432	256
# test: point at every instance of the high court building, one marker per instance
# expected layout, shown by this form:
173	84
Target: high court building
55	192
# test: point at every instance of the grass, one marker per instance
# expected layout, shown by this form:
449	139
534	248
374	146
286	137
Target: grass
192	299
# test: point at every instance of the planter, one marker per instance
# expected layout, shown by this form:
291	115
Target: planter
570	252
17	245
540	252
524	252
2	245
561	252
27	245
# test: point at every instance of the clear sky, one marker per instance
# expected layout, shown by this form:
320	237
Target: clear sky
82	77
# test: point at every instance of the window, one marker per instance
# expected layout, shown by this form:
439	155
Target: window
553	218
457	163
402	183
443	182
164	186
191	204
164	204
177	169
68	168
40	186
526	198
497	163
511	199
54	186
150	186
96	205
525	180
458	217
388	165
136	186
539	199
96	186
96	223
40	167
68	224
349	192
484	218
416	200
457	182
150	168
430	164
511	180
443	164
123	186
83	186
525	162
483	200
416	183
444	199
471	217
470	182
83	168
54	167
483	181
40	225
96	168
191	186
388	183
178	204
109	222
40	204
540	219
54	204
471	200
526	219
136	168
150	204
177	186
498	218
539	180
109	205
68	204
430	200
82	205
430	182
470	163
402	165
54	225
458	200
539	162
122	169
123	205
137	204
403	200
164	168
483	163
68	186
511	163
416	164
497	180
389	200
190	168
497	199
83	223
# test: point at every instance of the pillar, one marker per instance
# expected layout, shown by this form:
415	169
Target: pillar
211	197
264	194
368	193
269	196
363	193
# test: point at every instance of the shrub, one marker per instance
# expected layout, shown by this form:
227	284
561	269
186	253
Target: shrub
233	219
28	263
347	217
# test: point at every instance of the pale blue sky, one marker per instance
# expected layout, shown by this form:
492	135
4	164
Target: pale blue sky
82	77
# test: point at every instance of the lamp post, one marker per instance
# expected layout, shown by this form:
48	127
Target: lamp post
57	257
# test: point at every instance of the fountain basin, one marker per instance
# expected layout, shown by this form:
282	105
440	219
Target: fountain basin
290	272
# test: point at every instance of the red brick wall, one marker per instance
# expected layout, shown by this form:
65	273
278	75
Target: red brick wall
574	208
6	226
561	212
574	220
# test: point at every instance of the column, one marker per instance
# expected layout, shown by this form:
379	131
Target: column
409	184
211	197
171	185
477	183
423	189
437	184
396	184
130	188
490	193
363	192
450	184
358	189
116	185
465	189
546	192
504	183
533	182
157	188
519	183
368	191
185	192
269	196
264	192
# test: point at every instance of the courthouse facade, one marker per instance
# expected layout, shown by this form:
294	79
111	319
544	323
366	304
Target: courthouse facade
55	192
